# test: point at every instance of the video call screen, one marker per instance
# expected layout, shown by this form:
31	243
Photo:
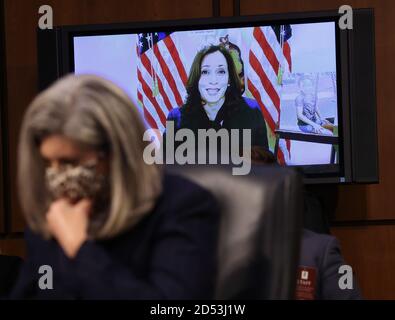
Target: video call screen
287	71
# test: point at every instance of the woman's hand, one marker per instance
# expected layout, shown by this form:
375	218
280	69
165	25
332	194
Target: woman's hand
68	224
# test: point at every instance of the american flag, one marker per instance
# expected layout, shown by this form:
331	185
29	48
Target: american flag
161	77
269	57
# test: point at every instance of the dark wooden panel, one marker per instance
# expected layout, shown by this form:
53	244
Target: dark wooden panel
370	251
261	7
13	247
2	206
21	22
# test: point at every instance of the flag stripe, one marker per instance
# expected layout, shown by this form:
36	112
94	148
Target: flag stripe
266	56
267	49
167	74
265	98
280	156
147	115
287	55
176	58
165	84
267	84
146	77
275	46
268	117
148	94
150	114
264	62
147	64
172	66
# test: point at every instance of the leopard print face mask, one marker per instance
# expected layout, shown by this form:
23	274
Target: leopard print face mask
75	182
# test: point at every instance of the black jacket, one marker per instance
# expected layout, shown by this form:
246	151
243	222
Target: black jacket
245	114
170	254
9	268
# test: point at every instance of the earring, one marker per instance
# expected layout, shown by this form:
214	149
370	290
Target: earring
228	84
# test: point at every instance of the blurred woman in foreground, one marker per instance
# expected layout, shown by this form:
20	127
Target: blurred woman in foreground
107	224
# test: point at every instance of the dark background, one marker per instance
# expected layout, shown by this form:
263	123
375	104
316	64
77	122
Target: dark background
362	216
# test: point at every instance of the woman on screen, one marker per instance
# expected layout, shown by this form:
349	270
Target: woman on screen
214	98
105	223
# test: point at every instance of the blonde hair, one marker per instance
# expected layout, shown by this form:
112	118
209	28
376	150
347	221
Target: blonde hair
94	113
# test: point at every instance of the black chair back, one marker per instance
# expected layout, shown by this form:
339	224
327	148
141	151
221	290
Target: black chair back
261	222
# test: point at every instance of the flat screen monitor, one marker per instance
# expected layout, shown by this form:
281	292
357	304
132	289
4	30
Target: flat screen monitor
292	73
